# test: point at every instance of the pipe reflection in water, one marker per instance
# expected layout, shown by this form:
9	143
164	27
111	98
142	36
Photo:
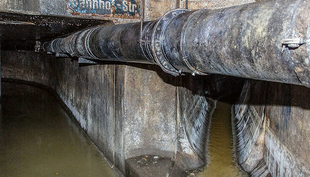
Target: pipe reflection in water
222	163
37	138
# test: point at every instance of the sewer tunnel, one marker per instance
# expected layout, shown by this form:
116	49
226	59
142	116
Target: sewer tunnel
145	80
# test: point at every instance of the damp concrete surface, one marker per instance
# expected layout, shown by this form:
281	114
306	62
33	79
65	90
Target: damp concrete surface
38	138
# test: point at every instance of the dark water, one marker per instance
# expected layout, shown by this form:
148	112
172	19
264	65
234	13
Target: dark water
222	162
37	138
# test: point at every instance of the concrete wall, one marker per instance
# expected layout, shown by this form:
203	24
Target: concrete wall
38	68
272	123
32	6
126	110
249	128
129	111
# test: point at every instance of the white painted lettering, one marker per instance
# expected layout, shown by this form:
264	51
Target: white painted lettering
108	5
88	4
101	6
96	5
91	6
125	6
132	7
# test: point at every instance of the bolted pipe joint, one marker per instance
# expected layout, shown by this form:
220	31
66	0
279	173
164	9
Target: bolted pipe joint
266	40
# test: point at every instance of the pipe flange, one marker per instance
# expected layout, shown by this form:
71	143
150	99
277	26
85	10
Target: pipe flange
157	41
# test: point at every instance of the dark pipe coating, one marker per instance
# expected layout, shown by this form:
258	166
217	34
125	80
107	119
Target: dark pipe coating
266	40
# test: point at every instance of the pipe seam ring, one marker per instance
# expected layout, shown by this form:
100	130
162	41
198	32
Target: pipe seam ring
193	70
86	43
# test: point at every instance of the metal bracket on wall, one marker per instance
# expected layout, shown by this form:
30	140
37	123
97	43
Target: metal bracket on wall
294	43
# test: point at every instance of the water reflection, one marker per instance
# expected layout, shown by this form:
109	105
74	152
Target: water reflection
220	145
37	138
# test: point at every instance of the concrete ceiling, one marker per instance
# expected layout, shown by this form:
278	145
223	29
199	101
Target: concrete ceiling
20	31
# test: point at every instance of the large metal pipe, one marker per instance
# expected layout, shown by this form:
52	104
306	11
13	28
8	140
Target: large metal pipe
266	40
114	43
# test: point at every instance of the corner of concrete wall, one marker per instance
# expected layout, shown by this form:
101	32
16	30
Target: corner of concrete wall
271	122
249	128
194	122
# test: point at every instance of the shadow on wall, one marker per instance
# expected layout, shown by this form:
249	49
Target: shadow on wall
226	88
272	93
214	86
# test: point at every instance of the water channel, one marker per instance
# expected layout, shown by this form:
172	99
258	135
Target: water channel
222	162
38	138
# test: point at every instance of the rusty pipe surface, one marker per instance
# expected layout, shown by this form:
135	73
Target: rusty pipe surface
266	40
